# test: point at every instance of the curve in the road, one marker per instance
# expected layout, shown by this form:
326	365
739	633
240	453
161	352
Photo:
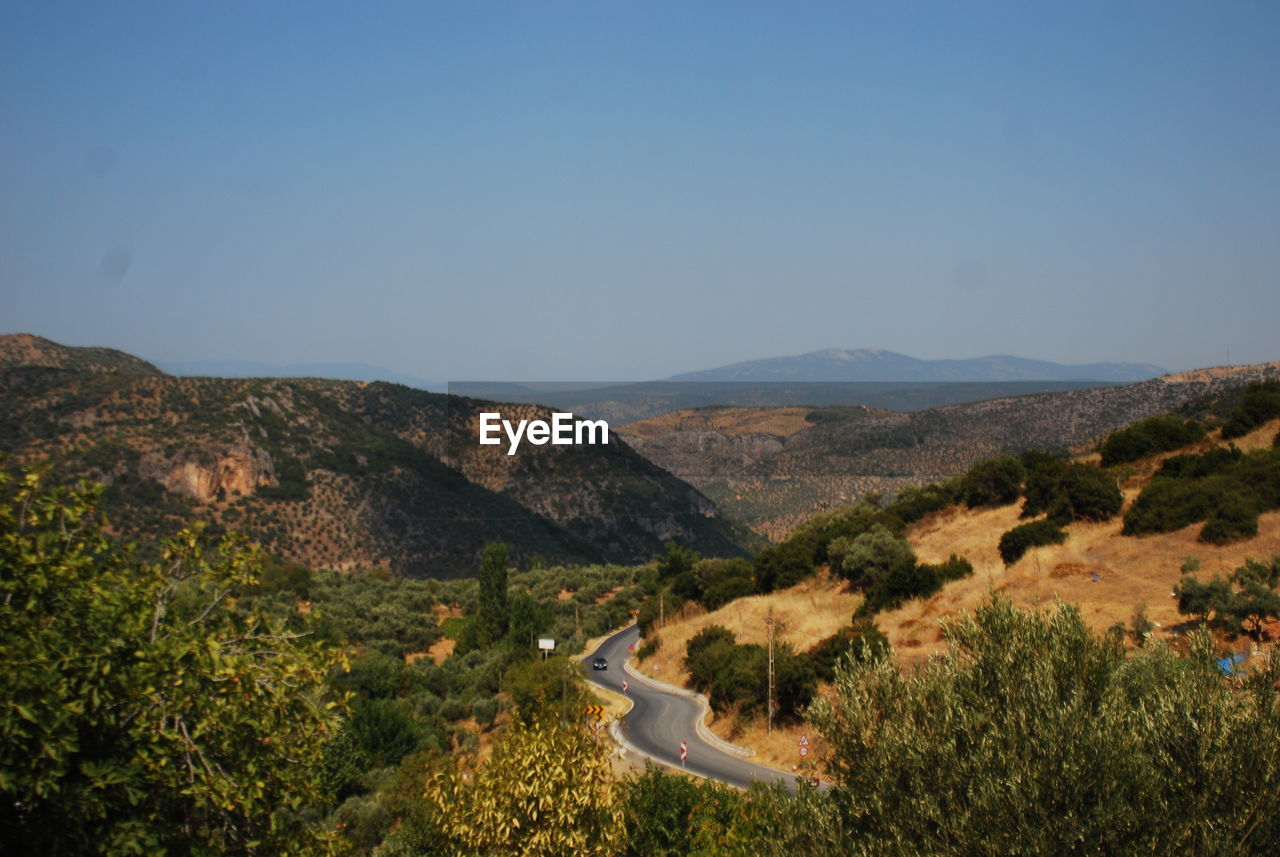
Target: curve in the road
659	720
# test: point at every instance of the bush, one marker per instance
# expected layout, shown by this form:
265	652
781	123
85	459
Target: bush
1261	403
1235	518
1149	437
741	680
847	522
862	641
484	711
1089	494
723	580
783	565
669	815
795	680
1225	485
648	648
725	589
707	654
955	568
659	813
913	503
994	482
1199	466
1034	736
384	730
654	607
1023	537
676	561
890	590
688	586
874	555
1166	505
1070	492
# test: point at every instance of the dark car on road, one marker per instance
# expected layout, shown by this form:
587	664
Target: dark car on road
599	664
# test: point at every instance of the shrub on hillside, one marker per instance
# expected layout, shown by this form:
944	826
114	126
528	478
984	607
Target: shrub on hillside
723	580
861	640
1149	437
654	607
1166	505
707	654
1023	537
994	482
648	648
676	561
1208	463
895	586
688	586
722	590
1261	403
898	585
1235	518
1224	486
783	565
741	681
1070	492
876	554
955	568
914	503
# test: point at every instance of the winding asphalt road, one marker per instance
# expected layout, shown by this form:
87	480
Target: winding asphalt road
660	720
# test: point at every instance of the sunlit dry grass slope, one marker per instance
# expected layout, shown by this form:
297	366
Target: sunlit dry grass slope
1108	575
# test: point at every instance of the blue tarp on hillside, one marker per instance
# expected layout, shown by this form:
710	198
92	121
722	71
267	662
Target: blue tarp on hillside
1230	666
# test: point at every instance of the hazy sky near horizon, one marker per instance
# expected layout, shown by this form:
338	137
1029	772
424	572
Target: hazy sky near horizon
622	190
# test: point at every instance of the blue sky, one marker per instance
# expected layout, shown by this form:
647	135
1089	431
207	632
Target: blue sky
554	190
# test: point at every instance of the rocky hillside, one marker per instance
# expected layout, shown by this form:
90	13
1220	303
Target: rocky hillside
773	467
23	350
337	474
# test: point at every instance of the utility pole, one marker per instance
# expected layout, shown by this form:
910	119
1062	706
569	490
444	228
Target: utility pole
769	622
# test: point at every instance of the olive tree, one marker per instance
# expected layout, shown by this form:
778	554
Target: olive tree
1035	736
139	712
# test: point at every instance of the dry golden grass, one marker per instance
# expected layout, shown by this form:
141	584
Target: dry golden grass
1129	572
803	616
439	651
781	749
731	422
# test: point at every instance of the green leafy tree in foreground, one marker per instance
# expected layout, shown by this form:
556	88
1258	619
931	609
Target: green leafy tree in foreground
1035	736
138	713
546	791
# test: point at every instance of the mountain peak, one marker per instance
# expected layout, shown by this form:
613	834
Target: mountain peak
23	350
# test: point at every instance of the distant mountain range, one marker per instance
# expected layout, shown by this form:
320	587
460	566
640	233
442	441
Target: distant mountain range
874	364
831	365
